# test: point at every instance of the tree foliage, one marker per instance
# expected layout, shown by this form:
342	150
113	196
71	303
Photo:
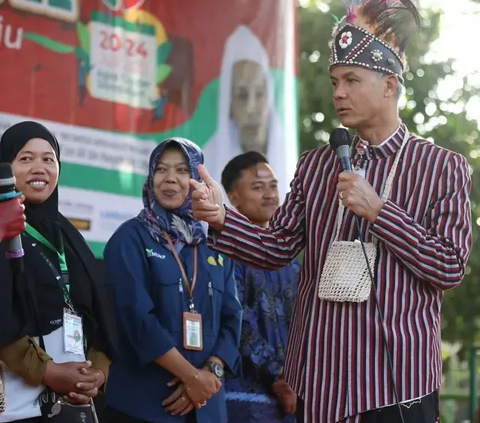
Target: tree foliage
424	111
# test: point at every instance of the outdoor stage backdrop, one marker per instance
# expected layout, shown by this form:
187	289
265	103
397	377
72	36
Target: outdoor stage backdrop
113	78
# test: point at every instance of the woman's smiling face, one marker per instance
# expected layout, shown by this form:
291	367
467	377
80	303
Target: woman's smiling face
172	178
36	170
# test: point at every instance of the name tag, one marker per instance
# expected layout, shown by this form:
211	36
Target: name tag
73	333
192	331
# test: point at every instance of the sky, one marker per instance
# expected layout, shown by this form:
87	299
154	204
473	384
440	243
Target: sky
460	21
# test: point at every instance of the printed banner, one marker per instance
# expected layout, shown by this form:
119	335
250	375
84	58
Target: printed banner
113	78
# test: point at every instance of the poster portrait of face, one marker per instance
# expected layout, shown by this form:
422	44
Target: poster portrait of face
113	78
247	117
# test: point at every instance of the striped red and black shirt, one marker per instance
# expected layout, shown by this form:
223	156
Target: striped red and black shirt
335	357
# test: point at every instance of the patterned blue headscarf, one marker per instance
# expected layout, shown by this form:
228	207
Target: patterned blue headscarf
179	223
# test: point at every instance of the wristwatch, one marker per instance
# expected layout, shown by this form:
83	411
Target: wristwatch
215	368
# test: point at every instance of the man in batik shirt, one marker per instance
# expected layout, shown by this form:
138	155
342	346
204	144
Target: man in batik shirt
268	297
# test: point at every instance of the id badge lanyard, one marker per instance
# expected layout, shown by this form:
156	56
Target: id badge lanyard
74	340
190	287
62	279
192	320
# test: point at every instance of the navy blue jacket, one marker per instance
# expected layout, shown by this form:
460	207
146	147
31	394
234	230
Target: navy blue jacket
145	281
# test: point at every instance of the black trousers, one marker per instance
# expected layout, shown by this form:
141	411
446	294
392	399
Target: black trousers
300	414
115	416
426	410
34	420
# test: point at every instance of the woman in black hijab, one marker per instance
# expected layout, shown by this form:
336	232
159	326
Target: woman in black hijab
33	303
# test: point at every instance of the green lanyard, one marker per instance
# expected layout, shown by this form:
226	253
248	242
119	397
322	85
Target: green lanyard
61	259
40	238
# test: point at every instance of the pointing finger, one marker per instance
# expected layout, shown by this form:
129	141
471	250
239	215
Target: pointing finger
203	173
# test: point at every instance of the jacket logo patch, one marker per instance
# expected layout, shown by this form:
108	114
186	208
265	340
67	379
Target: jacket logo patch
150	253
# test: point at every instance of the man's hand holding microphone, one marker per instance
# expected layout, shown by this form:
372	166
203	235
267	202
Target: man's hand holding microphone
12	218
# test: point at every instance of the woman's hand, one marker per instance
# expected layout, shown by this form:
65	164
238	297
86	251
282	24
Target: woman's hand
91	372
74	398
64	378
203	387
179	402
83	394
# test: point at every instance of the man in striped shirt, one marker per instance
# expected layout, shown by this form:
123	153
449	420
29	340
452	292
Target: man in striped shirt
336	357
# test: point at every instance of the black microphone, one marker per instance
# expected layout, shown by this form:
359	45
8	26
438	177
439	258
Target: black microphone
340	141
7	192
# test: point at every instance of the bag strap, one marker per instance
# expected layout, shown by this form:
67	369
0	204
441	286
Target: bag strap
386	191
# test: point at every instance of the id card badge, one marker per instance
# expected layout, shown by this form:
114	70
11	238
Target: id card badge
192	331
72	332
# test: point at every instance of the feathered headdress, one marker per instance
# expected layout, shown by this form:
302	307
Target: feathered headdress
375	34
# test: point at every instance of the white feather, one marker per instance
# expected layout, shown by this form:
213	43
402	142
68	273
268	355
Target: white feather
182	227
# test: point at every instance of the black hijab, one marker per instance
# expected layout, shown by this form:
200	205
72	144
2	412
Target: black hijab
33	315
43	217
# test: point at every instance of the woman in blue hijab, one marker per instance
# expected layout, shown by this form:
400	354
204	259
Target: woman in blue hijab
176	304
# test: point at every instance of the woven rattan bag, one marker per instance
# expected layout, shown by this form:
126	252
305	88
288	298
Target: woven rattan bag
345	276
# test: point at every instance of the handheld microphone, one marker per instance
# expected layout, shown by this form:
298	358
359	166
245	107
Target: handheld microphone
7	191
340	141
